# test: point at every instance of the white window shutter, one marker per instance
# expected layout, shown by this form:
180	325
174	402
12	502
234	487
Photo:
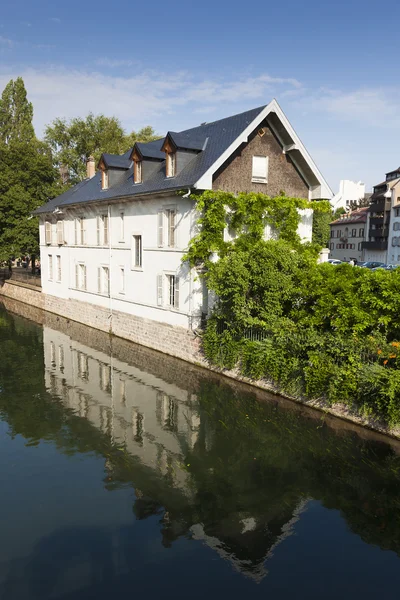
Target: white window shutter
47	232
105	229
77	276
98	230
160	229
60	232
176	299
99	279
159	290
260	168
84	277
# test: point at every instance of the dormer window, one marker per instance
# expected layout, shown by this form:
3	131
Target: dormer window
171	164
104	180
137	171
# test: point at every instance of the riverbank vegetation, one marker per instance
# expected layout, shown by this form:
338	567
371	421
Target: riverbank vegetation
314	330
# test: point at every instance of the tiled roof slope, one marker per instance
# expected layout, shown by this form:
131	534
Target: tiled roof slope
357	216
221	134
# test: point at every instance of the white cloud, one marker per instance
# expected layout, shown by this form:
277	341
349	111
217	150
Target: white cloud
142	97
377	106
115	63
6	42
55	19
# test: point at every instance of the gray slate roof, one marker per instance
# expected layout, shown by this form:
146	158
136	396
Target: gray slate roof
221	134
117	161
151	149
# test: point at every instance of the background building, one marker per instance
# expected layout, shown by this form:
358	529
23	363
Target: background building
347	235
348	191
381	241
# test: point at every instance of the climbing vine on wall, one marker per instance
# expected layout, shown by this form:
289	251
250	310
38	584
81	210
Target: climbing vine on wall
246	215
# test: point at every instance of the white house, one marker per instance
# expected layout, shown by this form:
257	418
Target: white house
348	191
113	244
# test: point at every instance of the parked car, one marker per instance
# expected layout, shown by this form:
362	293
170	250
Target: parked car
372	264
334	261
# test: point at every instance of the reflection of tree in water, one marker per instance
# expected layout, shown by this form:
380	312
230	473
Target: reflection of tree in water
249	471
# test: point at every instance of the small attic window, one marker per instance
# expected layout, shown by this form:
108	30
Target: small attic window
171	164
137	171
104	180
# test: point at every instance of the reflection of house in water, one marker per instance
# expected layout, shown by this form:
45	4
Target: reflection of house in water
156	421
160	424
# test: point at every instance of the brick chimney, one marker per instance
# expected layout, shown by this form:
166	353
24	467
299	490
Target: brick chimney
90	167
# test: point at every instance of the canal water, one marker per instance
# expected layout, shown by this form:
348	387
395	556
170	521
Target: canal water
125	473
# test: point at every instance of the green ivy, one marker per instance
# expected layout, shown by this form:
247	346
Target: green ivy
314	330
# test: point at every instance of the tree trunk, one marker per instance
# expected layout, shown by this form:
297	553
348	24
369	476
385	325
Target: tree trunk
33	259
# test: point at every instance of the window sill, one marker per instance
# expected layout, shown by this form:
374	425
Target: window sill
256	180
139	269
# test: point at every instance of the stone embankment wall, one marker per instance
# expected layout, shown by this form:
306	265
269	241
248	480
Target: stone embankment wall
169	339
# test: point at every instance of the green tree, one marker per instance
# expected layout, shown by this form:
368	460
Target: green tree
16	114
321	230
73	141
27	176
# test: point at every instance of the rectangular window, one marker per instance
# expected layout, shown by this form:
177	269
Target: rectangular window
121	226
339	233
160	290
58	258
354	233
103	280
122	280
260	169
137	167
102	230
173	291
332	233
104	180
171	217
47	231
361	233
80	231
105	229
360	245
171	164
50	266
60	232
136	251
80	276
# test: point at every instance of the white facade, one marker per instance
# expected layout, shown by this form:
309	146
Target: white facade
393	251
90	253
348	191
102	267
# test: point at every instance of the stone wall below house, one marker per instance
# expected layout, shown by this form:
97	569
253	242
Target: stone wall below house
173	340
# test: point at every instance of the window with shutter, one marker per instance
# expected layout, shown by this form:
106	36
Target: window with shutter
122	280
171	218
105	230
83	231
47	229
60	232
260	169
160	229
77	276
104	180
98	231
99	280
160	290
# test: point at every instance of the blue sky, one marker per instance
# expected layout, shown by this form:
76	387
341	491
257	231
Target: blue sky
331	66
